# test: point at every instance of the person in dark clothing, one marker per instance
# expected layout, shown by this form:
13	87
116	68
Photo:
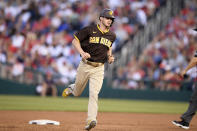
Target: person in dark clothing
47	88
192	108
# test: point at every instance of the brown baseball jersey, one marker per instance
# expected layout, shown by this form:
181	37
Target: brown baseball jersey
95	42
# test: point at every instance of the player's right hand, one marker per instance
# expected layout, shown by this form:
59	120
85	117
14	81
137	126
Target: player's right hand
85	55
111	59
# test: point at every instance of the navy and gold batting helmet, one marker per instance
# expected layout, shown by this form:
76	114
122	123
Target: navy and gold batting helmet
107	13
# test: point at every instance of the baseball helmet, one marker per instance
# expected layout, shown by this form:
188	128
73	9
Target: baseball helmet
107	13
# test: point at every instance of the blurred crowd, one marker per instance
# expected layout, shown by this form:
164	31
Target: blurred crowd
37	34
161	62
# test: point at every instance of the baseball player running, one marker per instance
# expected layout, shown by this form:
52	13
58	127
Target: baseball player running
94	45
189	114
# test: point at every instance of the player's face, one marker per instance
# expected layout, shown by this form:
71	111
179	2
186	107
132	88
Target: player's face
106	21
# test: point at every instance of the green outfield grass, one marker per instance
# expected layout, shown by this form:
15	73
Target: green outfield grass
8	102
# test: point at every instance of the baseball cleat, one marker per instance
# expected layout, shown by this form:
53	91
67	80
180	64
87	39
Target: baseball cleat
181	124
66	92
91	124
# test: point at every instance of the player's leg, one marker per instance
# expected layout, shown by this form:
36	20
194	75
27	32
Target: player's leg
82	78
188	115
95	84
80	83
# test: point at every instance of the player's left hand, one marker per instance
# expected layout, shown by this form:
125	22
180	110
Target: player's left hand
111	59
183	73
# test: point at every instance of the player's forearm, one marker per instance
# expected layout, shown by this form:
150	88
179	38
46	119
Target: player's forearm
110	56
109	53
192	63
77	46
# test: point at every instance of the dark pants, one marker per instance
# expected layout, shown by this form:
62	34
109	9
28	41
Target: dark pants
188	115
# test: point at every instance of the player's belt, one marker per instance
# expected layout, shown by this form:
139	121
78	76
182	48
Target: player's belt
95	64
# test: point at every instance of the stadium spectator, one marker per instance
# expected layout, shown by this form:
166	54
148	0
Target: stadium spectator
17	69
48	87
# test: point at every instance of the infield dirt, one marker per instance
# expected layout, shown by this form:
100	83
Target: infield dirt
75	121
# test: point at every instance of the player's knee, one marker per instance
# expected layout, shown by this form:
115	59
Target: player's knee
76	94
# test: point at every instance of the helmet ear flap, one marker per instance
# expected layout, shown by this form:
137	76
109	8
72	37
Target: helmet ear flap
112	22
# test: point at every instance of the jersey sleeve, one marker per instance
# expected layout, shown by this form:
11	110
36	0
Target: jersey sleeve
82	34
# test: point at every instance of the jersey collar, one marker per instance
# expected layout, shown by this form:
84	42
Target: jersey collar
103	32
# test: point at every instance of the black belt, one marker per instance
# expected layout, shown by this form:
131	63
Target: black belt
95	64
